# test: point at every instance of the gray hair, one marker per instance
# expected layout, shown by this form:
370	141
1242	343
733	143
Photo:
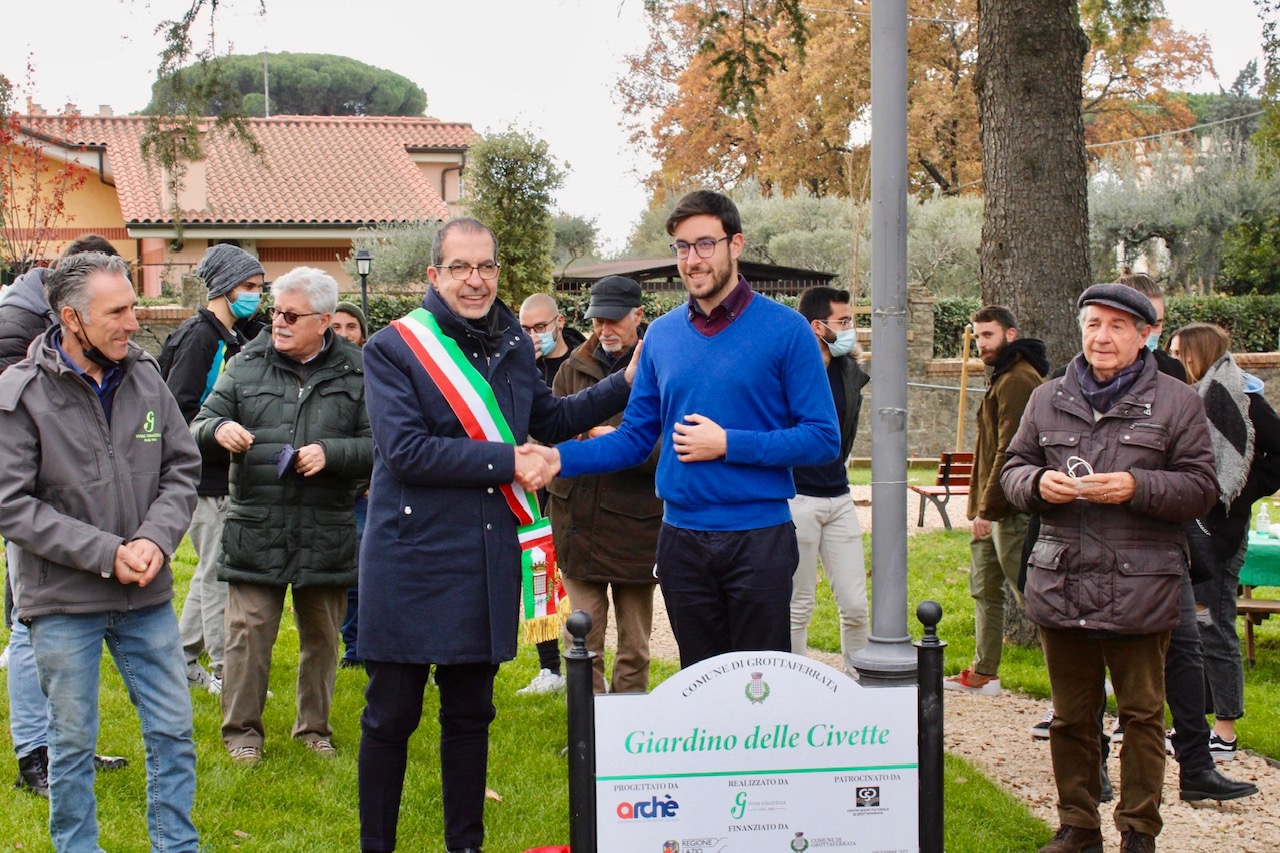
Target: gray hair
68	284
466	224
317	285
1140	324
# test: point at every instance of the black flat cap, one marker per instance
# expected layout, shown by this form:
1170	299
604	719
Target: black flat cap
612	297
1122	298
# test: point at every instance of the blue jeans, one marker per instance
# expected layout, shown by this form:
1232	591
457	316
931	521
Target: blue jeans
145	647
351	623
28	707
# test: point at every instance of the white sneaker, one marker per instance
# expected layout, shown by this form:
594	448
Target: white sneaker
215	685
198	678
545	681
4	658
1040	731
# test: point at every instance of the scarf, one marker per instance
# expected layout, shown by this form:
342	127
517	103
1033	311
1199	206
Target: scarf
1103	395
1230	430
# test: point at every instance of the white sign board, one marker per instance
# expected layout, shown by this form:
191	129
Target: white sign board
755	752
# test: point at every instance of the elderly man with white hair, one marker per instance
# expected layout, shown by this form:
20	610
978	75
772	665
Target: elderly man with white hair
290	411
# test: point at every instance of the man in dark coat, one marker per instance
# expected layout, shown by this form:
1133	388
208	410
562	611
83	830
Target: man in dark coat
999	530
192	359
1114	456
290	411
606	525
440	561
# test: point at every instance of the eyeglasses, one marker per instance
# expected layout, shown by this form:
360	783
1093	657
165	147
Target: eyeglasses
540	328
706	247
461	272
290	317
844	324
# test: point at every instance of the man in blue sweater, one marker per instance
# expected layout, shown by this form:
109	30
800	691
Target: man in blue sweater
737	391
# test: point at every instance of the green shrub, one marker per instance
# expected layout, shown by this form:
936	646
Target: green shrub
1253	321
950	315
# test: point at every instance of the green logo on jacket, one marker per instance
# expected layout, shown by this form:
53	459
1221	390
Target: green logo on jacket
148	433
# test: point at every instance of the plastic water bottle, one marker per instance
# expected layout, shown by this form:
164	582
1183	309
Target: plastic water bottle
1263	523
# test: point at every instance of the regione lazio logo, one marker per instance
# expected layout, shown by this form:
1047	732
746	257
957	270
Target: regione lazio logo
758	689
799	842
671	846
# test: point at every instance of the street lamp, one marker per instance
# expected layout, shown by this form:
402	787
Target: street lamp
364	262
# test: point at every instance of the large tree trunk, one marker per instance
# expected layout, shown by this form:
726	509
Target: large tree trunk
1035	229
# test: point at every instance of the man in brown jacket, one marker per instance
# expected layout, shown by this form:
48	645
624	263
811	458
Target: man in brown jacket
999	530
606	525
1114	456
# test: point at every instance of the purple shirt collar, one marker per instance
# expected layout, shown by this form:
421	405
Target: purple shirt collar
723	314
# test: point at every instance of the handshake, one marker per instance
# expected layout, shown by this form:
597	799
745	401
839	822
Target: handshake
536	465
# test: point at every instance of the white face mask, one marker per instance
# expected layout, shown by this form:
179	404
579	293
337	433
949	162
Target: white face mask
1153	341
844	342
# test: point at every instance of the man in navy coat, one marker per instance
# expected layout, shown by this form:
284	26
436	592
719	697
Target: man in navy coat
440	560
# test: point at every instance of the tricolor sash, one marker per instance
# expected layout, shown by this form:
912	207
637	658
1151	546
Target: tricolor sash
472	401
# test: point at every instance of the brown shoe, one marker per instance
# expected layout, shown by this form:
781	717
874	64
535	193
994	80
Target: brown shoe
1132	841
1075	839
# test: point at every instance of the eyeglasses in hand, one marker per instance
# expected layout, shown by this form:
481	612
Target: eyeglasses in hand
706	247
461	272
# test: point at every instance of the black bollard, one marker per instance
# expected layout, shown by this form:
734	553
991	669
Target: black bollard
582	736
929	666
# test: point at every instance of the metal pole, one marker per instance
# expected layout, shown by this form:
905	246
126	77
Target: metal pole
929	653
364	295
888	659
582	736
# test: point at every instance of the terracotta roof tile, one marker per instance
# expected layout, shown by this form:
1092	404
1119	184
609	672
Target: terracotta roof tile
312	169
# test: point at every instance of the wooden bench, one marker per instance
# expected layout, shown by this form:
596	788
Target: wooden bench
1254	611
954	471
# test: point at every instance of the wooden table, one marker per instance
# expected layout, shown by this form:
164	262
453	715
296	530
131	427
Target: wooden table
1261	568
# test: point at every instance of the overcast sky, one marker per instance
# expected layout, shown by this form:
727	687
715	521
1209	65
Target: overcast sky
546	65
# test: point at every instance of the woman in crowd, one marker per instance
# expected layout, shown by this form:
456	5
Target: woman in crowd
1246	444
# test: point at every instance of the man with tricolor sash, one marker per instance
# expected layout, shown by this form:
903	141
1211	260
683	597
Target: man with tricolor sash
452	390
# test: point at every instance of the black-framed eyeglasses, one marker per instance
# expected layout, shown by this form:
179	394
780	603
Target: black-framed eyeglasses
706	247
540	328
290	317
461	272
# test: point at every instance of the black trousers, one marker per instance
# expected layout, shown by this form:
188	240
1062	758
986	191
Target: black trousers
393	707
728	590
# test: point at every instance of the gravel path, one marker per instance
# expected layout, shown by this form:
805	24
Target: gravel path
992	732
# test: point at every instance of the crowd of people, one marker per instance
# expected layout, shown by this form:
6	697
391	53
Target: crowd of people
415	489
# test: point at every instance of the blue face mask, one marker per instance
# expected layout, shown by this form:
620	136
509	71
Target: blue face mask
245	304
843	344
545	342
1153	341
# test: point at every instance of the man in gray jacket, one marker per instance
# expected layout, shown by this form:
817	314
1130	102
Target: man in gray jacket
97	485
1114	456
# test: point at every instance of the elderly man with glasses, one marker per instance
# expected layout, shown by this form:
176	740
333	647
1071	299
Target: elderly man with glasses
290	411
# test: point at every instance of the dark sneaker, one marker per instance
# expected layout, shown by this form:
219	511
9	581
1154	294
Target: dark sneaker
1040	731
1212	785
1108	792
109	762
1117	734
33	772
1132	841
1075	839
1222	749
350	663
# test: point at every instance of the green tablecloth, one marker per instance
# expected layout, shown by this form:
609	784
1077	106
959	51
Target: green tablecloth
1261	562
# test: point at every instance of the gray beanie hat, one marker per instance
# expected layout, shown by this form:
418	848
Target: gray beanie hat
224	266
354	310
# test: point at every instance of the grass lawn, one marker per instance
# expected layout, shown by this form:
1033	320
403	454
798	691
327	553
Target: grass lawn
295	801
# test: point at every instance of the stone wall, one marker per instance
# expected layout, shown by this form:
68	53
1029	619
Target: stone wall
156	323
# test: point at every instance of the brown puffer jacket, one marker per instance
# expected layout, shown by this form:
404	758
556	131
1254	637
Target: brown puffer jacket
605	525
1105	567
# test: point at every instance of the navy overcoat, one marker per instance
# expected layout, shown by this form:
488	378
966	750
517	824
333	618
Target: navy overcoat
440	562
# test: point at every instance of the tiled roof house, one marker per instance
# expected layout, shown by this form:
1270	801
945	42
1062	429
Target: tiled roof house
316	181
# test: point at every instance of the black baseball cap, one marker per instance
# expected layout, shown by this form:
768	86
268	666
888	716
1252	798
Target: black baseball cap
612	298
